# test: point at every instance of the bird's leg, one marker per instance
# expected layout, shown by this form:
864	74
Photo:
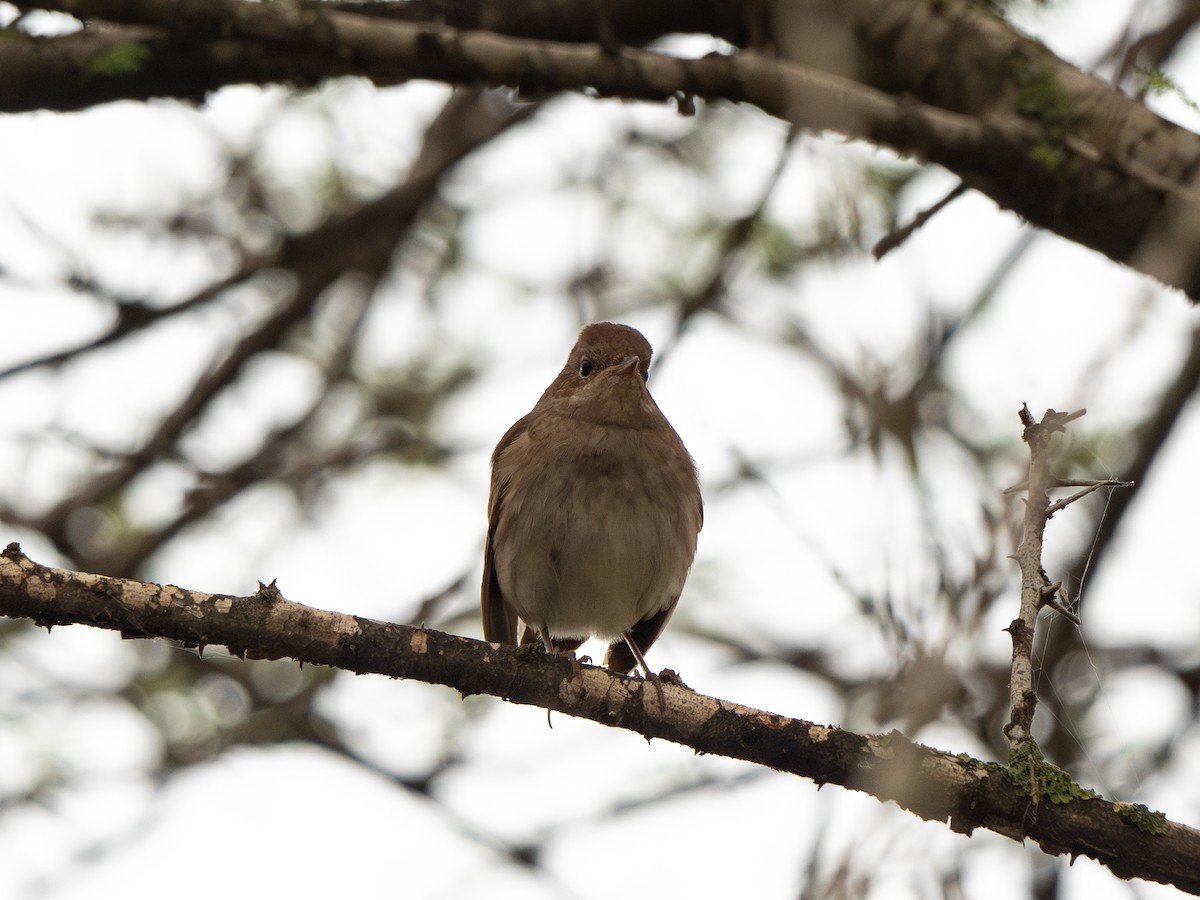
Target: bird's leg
648	675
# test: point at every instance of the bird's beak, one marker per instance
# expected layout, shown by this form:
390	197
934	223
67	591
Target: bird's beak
625	366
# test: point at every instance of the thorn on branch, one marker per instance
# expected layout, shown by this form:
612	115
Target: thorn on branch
1016	628
1055	597
1021	485
269	592
685	103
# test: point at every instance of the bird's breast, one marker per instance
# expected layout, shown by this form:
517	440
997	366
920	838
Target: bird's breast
600	530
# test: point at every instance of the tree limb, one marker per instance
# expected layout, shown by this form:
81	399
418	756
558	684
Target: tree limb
1059	147
932	784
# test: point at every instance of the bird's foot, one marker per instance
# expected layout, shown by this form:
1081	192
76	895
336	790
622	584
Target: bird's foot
647	675
657	681
566	650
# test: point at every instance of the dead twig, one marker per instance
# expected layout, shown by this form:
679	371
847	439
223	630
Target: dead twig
894	239
1034	583
1087	489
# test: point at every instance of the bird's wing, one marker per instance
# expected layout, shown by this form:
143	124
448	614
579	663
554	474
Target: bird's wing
499	617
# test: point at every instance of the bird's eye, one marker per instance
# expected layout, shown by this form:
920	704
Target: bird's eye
585	368
645	374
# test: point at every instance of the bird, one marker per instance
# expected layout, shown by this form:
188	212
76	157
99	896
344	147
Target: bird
594	509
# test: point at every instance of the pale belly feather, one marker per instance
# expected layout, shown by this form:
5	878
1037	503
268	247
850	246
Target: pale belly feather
601	572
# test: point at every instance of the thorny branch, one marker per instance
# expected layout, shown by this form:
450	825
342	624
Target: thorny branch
1023	698
1036	588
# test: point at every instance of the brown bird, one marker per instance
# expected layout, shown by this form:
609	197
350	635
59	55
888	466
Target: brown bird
594	509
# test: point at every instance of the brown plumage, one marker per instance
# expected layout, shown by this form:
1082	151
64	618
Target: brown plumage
594	509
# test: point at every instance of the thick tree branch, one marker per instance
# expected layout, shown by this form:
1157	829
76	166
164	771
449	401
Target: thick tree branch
946	82
632	22
932	784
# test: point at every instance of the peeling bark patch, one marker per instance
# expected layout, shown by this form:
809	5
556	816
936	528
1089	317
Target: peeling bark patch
349	626
881	747
223	604
419	643
570	690
41	589
166	597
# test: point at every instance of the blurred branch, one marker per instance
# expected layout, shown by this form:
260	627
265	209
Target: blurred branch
894	239
934	785
631	22
732	242
362	241
54	523
133	317
279	456
1153	49
1148	443
1060	148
